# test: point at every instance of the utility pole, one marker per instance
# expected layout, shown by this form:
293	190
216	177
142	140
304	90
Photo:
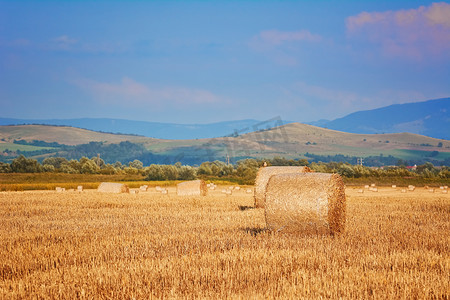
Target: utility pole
360	161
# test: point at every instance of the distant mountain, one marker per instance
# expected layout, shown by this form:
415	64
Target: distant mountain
155	129
430	118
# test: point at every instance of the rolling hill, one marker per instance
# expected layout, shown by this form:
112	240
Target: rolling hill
430	118
63	135
154	129
293	140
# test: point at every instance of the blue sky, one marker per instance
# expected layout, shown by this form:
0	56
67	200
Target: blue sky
207	61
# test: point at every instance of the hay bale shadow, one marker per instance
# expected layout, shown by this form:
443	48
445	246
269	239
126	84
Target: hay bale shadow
245	207
254	231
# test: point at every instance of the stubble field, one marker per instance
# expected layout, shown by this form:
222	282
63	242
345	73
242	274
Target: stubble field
149	245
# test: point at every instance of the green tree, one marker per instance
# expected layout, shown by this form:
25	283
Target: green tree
98	161
155	172
118	165
247	169
48	168
5	168
72	167
137	164
22	164
109	170
170	172
186	173
205	169
346	171
54	161
88	166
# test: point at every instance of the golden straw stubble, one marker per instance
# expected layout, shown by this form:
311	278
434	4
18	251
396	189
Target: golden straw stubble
305	203
263	176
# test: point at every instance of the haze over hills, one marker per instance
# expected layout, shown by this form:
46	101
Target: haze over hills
155	129
293	140
430	118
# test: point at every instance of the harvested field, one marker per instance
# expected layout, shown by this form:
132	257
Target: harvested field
94	245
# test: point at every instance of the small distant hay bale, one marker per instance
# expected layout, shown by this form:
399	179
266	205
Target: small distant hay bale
164	191
444	191
263	176
249	191
375	190
60	189
445	187
224	191
431	190
158	188
394	186
361	191
366	186
229	192
80	188
143	188
403	190
441	187
237	188
373	185
411	188
134	191
192	188
306	203
113	187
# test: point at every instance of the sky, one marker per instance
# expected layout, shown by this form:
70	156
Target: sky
210	61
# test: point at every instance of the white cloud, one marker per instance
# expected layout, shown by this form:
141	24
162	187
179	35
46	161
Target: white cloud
282	46
128	91
64	39
64	42
415	33
275	37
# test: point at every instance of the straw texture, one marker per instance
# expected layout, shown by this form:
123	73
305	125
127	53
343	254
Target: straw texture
263	176
306	203
192	188
112	187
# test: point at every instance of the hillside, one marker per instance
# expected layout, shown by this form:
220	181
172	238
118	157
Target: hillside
430	118
153	129
293	140
62	135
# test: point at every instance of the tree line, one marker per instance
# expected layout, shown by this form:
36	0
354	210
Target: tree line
126	152
244	170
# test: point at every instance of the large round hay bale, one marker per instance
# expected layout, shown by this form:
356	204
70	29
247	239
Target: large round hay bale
263	176
192	188
306	203
112	187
